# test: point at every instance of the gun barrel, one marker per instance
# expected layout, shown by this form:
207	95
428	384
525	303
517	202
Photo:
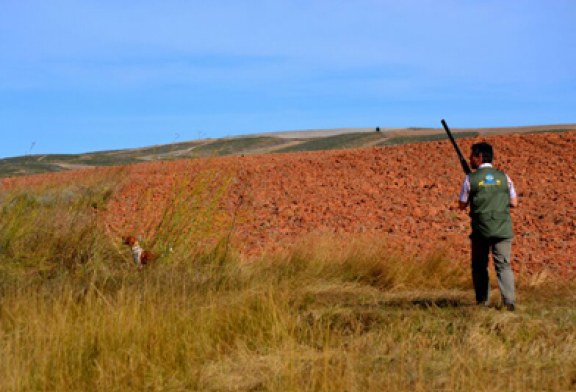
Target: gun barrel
463	161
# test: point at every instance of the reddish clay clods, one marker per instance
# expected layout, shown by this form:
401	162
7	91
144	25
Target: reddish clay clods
405	194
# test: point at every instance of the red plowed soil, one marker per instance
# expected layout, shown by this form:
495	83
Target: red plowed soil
407	195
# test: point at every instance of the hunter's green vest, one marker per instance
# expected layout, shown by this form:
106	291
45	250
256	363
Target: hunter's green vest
490	204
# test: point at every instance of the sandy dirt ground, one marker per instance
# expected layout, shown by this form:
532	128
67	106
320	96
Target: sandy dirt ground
404	195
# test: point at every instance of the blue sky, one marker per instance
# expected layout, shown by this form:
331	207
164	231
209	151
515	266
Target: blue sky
79	76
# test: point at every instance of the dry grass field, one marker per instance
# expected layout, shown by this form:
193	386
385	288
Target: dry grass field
331	312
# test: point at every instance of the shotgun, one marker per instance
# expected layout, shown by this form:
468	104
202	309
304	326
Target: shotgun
460	156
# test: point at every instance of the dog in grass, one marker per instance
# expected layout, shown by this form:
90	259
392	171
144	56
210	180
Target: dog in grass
140	256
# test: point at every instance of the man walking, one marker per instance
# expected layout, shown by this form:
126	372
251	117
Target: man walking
490	193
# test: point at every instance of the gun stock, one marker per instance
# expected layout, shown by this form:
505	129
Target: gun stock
463	161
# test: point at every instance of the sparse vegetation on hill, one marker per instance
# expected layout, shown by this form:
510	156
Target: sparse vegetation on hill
348	140
236	146
396	140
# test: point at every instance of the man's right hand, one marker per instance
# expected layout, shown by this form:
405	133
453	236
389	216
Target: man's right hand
514	202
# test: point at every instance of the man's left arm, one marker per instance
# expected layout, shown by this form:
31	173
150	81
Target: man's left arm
463	198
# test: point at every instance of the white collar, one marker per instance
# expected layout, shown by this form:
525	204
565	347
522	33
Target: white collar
485	165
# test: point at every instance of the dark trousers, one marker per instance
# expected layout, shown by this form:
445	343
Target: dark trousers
500	249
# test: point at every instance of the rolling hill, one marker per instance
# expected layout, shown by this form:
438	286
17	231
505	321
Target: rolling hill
276	142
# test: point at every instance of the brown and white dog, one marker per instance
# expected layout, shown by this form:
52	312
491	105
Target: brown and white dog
140	256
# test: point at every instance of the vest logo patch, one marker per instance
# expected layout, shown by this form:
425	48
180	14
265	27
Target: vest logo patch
489	180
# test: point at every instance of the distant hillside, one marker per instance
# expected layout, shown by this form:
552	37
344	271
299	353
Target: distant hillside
280	142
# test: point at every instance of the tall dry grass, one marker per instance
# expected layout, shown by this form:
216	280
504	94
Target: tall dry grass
330	314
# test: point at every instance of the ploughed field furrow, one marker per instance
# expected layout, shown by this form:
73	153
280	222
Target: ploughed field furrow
405	195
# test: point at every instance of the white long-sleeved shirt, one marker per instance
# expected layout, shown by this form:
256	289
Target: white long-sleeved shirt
465	190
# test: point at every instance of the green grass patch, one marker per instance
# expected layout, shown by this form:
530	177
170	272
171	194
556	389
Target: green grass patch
553	130
236	146
12	169
37	164
408	139
348	140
